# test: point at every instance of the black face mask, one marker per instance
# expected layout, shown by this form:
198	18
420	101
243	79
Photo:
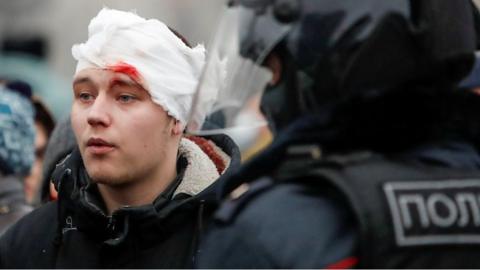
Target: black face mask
290	98
276	106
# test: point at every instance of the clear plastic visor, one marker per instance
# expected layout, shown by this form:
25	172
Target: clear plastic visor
230	84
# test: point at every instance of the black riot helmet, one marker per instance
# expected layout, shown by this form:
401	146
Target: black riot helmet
331	50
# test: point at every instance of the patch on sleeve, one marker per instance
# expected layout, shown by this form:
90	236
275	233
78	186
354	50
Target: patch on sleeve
435	212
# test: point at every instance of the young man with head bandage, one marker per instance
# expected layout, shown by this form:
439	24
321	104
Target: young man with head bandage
136	193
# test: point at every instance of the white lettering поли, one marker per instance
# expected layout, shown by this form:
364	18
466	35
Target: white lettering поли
463	200
437	219
414	199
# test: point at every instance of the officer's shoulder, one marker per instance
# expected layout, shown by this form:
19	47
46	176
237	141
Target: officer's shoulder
241	196
269	200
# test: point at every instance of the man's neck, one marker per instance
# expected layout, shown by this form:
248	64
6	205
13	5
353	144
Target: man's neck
141	192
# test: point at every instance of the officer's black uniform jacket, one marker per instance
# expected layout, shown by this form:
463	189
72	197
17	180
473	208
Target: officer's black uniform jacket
75	232
412	202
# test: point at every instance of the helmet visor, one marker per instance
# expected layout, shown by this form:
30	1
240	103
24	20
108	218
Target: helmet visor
231	85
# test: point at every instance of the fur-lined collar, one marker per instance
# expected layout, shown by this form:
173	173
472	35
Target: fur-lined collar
202	169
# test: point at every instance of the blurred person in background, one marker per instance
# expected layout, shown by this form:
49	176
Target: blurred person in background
62	142
376	161
24	57
135	193
16	149
44	124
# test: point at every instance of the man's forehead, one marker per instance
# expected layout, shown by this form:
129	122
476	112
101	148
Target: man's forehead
97	75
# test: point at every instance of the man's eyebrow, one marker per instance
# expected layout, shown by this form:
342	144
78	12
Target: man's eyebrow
82	80
125	81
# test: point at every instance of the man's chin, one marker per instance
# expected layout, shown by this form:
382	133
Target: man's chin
106	178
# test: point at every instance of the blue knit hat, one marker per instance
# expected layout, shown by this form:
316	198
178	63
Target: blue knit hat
17	131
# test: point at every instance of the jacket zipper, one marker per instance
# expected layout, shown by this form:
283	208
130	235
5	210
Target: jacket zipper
111	224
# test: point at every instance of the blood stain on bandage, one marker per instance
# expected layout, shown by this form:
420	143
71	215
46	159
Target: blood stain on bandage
127	69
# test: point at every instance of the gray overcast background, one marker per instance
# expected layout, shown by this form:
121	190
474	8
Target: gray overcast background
64	22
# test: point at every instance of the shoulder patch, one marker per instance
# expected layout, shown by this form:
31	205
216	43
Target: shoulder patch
435	212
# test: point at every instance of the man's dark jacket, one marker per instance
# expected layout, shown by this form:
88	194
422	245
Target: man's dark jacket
12	202
75	232
316	197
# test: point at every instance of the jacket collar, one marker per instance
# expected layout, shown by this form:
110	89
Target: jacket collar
201	171
81	200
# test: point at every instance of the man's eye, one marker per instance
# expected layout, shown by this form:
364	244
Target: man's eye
126	98
85	96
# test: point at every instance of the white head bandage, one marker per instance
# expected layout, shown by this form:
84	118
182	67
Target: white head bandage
167	68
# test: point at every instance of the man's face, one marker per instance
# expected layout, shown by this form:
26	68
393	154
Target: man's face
122	135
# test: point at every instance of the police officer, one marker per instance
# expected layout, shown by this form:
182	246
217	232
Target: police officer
375	163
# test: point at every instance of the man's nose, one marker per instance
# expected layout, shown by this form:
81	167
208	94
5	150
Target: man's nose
98	114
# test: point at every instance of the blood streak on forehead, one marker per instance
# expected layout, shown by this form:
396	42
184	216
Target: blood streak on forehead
126	69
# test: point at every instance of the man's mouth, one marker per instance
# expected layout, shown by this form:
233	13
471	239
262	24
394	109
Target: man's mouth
99	146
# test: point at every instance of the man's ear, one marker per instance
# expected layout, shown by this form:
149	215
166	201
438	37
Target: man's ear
177	128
